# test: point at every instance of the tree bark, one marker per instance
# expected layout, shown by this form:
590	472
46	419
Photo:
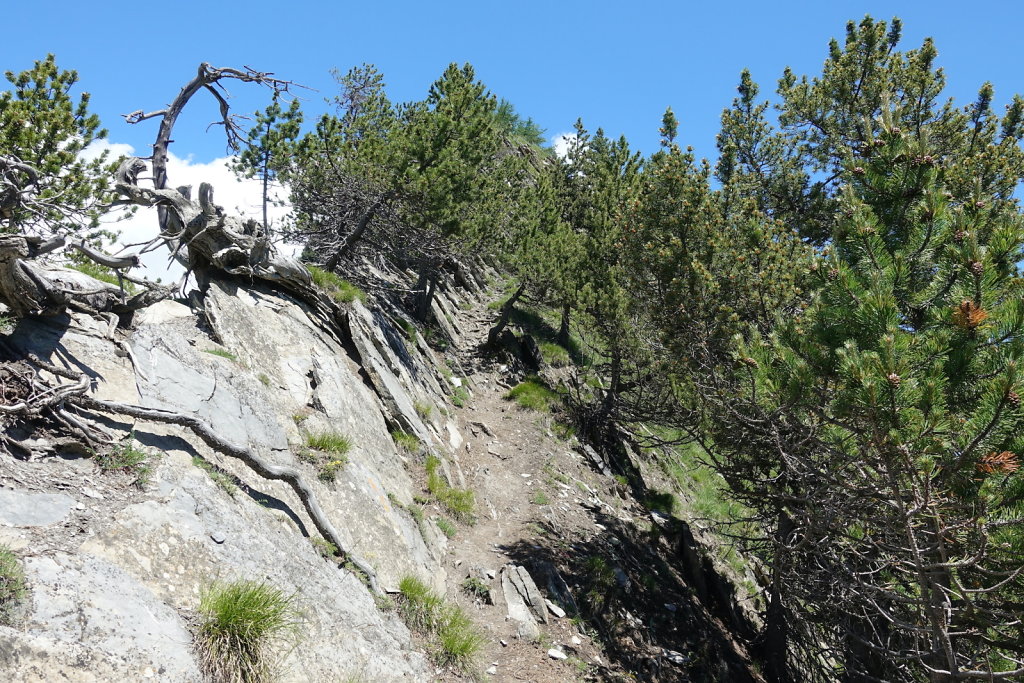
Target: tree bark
506	313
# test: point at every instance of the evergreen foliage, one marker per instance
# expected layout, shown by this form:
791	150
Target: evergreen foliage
43	128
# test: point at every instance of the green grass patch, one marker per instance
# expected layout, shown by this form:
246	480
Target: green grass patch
264	380
242	625
563	430
406	441
13	588
126	458
103	274
461	503
475	587
446	527
407	328
660	501
533	394
540	498
329	454
325	548
223	353
460	398
455	641
423	409
554	355
329	442
223	480
336	287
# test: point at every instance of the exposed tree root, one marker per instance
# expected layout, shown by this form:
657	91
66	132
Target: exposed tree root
27	395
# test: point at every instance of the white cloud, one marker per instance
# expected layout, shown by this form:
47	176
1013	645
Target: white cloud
560	143
237	196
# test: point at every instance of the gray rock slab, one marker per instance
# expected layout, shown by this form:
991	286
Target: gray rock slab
29	509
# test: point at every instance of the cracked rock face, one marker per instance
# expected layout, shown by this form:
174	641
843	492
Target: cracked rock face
113	593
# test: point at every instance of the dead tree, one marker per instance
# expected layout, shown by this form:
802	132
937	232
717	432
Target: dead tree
32	284
202	237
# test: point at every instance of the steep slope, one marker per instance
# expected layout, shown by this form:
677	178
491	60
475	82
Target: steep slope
115	570
571	578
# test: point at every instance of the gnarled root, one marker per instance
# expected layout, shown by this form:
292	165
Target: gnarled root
25	394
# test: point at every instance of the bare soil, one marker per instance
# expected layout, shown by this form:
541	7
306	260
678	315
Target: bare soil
541	505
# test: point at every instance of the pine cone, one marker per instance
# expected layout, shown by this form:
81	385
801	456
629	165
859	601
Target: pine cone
1014	398
977	268
894	380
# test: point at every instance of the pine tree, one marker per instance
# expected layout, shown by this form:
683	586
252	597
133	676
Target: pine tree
878	430
269	147
46	188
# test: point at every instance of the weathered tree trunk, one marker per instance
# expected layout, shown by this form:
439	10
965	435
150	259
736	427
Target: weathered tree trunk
563	325
506	313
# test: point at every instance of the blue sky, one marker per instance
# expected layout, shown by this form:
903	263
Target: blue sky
618	65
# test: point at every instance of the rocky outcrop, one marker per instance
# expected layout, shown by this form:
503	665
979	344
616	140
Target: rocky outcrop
116	572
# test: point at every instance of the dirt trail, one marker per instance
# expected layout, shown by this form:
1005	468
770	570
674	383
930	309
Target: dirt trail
657	608
531	489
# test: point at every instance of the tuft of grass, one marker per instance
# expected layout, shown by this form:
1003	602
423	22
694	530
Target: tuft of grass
554	354
299	418
423	409
241	626
406	441
533	394
331	454
336	287
223	480
223	354
446	526
12	585
461	397
456	642
103	274
540	498
461	503
419	606
127	459
563	430
264	380
329	442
